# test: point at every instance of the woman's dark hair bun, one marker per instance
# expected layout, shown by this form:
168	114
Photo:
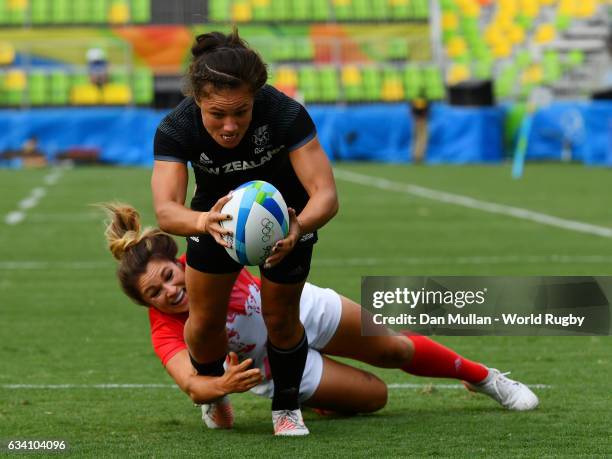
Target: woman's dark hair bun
212	41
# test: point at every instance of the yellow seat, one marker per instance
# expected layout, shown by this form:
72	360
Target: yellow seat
456	47
119	13
392	90
286	76
502	49
241	12
350	75
15	80
85	94
532	74
586	9
545	33
7	53
449	21
261	3
17	5
458	73
516	35
116	94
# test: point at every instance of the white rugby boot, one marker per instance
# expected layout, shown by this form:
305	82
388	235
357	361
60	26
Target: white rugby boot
510	394
289	423
219	414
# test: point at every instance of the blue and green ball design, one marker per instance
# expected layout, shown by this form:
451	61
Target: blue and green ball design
260	219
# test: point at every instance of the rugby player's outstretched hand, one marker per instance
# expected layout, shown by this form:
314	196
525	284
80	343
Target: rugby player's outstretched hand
284	246
238	377
210	222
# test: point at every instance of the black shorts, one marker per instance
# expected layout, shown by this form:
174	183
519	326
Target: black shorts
205	255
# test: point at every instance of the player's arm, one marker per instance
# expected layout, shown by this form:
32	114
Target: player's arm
169	186
314	171
205	389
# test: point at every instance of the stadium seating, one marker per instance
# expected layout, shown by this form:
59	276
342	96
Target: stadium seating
512	41
74	12
59	87
242	11
359	83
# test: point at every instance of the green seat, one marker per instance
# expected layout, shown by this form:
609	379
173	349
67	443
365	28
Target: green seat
413	82
434	85
303	49
328	80
448	5
308	84
262	13
362	10
119	76
60	12
98	12
402	11
302	10
141	11
562	22
503	87
2	90
380	10
38	88
281	10
320	10
524	21
79	79
420	9
371	83
4	14
284	50
144	88
574	58
343	12
219	10
483	69
81	13
523	58
551	67
60	86
397	48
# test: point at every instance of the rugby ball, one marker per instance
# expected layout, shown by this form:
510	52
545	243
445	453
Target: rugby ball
259	220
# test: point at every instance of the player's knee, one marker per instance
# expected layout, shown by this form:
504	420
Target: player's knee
281	327
377	395
395	355
204	325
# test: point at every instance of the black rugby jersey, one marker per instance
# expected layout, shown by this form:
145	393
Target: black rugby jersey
279	125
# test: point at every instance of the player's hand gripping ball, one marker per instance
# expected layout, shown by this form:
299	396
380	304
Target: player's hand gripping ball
259	220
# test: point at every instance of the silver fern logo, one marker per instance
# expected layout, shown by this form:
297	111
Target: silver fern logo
261	135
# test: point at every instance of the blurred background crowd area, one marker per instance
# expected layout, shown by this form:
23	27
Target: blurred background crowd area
515	54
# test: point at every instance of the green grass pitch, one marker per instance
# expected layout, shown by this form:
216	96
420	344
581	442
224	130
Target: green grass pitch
63	320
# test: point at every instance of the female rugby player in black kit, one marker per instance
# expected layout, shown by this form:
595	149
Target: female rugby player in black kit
234	128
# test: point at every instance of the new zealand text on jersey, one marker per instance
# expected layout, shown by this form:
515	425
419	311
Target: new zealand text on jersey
240	165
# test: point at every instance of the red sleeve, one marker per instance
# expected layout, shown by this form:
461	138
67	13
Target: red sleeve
167	333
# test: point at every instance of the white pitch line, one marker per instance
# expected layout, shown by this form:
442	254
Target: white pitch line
357	261
474	260
465	201
15	217
172	386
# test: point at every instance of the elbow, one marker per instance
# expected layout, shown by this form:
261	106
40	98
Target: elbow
197	398
335	206
162	220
